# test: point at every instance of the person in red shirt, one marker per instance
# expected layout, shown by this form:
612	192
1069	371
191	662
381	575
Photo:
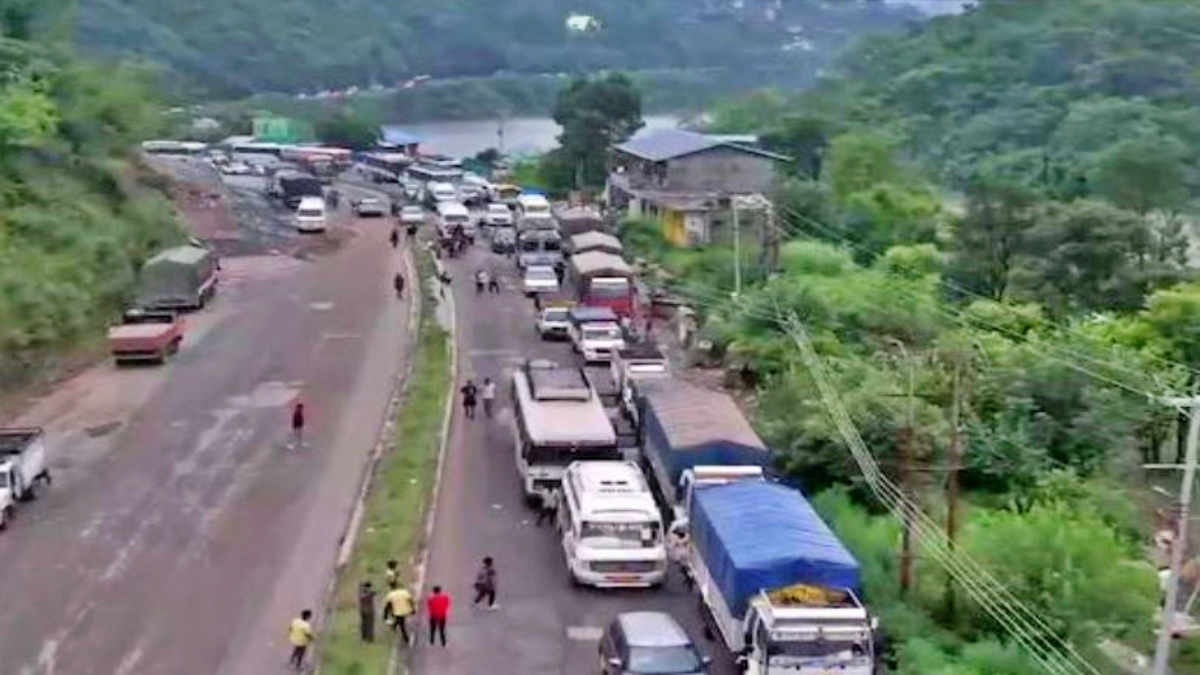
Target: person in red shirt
438	606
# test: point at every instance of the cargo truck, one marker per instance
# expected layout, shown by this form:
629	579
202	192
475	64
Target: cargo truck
145	336
180	278
22	467
776	583
693	436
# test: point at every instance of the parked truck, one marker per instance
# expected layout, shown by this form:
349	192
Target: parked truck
776	583
22	467
145	336
690	435
184	277
293	186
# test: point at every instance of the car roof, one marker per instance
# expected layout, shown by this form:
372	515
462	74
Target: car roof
652	629
543	269
413	207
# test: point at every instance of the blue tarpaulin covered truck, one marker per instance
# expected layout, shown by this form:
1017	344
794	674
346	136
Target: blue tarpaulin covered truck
694	436
777	583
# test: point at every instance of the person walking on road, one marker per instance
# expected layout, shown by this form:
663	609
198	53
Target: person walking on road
493	285
398	284
548	508
677	550
438	608
469	393
489	396
394	237
298	424
366	611
412	231
485	584
397	607
300	635
482	279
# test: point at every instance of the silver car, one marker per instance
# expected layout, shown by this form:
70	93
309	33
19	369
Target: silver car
649	643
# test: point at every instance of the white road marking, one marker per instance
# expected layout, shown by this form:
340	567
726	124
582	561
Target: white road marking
340	336
320	306
584	633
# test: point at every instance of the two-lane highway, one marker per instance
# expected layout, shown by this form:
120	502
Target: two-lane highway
181	531
544	624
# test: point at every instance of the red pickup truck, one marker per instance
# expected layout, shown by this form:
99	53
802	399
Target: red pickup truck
145	336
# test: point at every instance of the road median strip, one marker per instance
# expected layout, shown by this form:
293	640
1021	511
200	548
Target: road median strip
393	518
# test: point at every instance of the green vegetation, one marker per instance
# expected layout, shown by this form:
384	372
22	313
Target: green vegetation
234	48
594	115
79	216
392	522
995	209
344	128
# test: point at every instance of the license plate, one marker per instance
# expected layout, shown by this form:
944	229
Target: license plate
622	578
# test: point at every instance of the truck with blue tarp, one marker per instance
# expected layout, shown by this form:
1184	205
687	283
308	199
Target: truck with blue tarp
691	436
778	585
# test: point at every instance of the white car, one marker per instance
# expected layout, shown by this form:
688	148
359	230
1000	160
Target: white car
412	215
498	215
554	321
370	207
539	279
237	169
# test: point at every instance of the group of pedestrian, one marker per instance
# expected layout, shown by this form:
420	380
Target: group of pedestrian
471	395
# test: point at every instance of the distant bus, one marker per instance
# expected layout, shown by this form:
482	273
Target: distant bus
559	419
262	149
179	148
385	167
434	174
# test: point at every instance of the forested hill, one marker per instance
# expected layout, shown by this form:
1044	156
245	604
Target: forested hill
1062	95
233	47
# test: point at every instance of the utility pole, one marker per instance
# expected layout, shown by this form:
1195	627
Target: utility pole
737	248
1162	651
905	443
956	456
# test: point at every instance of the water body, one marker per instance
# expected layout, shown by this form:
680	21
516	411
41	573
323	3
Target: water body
522	135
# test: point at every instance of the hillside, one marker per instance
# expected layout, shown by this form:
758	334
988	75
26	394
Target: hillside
1055	94
229	48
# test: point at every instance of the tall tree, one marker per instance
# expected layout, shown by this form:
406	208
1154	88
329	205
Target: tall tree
990	235
345	129
804	138
596	113
1144	173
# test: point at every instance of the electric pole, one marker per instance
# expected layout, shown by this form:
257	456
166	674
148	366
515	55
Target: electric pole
1162	651
905	446
737	248
956	455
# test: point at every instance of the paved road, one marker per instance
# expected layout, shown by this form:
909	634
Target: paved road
181	531
544	625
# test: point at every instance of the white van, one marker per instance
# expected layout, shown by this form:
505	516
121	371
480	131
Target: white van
310	215
532	206
611	527
451	214
442	192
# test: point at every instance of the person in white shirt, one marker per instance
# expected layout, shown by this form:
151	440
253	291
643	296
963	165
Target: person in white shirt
489	396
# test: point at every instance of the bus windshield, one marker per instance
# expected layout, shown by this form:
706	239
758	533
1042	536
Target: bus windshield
599	534
560	456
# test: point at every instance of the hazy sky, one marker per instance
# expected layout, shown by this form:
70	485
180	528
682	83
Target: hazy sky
933	6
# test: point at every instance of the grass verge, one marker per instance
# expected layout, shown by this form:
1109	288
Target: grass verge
394	515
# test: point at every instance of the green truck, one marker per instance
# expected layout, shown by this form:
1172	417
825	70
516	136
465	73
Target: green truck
180	278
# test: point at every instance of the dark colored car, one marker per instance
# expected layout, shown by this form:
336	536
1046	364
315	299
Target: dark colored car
649	643
504	240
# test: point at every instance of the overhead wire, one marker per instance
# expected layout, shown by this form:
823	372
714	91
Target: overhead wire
974	578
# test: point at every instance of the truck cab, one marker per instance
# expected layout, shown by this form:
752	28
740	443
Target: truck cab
596	333
635	363
22	467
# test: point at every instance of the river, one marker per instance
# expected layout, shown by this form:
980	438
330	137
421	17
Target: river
522	135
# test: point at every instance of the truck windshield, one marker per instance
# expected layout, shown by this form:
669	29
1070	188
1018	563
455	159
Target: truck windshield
609	288
601	333
619	535
664	660
559	456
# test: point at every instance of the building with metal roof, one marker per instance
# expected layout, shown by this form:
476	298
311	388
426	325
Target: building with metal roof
687	180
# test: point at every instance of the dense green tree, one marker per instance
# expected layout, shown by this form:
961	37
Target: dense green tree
861	161
344	129
1143	172
990	236
804	138
595	114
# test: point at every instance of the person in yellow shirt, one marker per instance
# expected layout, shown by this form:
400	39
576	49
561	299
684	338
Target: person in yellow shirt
398	605
300	634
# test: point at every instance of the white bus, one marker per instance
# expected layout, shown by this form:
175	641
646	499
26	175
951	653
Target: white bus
178	148
559	419
387	167
533	206
612	533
